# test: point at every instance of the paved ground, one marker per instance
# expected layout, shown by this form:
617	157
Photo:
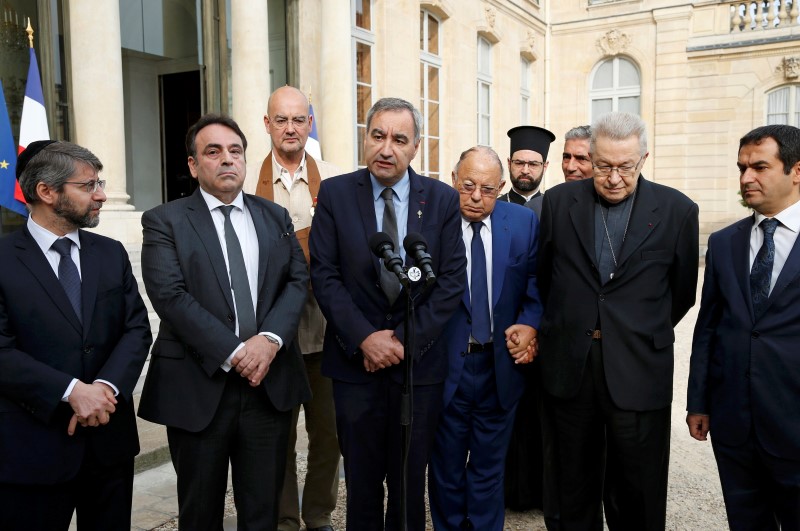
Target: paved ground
694	503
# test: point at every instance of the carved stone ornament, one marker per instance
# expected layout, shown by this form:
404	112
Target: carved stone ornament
491	16
790	66
613	42
530	40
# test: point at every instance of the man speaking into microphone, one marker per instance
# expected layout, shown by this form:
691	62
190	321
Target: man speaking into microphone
365	305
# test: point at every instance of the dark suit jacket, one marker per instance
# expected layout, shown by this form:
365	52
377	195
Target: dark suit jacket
745	371
345	274
43	347
653	288
187	281
515	299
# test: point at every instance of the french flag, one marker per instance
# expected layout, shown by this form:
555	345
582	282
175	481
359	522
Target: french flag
312	144
33	125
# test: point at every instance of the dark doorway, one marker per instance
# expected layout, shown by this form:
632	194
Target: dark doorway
180	108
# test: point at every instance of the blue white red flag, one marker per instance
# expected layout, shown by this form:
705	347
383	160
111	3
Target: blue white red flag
8	163
33	125
312	144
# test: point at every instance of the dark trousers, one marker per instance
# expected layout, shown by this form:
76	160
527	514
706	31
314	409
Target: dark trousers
591	431
100	494
250	433
466	471
368	424
761	491
322	476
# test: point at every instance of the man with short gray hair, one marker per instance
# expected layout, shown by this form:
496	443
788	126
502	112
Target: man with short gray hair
576	159
617	271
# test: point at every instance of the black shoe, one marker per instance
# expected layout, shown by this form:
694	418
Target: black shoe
323	528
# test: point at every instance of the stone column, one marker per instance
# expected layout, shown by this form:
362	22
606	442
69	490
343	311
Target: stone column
98	108
250	80
336	95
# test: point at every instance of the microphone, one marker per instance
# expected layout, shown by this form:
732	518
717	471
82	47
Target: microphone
416	246
383	247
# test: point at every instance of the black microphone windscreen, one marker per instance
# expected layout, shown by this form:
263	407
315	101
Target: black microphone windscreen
412	239
378	240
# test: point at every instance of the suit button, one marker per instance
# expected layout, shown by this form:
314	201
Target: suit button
230	318
469	321
589	332
755	334
87	350
463	354
388	317
602	297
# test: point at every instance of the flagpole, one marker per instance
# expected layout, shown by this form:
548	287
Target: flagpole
29	31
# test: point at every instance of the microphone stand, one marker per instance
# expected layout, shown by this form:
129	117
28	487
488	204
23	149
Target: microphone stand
407	394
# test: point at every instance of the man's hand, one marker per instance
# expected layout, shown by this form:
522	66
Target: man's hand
381	349
698	425
521	343
92	405
253	360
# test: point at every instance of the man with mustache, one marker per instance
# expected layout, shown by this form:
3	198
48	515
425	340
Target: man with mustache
576	160
74	335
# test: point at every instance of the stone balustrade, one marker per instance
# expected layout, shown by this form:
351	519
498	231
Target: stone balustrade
762	15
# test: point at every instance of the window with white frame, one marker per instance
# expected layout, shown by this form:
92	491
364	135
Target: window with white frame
484	91
524	91
783	106
363	42
429	69
615	86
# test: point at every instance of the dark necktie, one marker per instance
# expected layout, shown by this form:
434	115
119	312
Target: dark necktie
245	315
479	289
389	281
68	274
761	274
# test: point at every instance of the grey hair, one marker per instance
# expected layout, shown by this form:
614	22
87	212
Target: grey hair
485	150
53	165
582	132
396	104
619	126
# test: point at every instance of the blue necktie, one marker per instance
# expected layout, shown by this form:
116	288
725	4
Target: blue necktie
479	289
68	274
761	274
242	296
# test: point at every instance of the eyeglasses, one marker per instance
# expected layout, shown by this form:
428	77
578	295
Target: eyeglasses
624	171
468	187
90	186
281	122
534	164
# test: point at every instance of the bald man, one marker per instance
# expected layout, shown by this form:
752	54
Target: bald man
290	176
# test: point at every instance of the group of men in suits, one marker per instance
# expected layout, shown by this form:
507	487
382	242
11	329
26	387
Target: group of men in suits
591	289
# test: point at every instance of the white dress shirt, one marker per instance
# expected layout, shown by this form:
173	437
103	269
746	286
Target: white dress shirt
784	238
486	238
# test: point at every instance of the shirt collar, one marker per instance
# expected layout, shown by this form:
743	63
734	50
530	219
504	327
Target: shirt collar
789	217
45	239
213	202
466	223
278	170
402	187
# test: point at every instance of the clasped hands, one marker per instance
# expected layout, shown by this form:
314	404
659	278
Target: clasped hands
522	343
92	405
252	361
381	349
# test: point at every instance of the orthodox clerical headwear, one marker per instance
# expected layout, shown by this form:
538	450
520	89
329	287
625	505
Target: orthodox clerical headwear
530	137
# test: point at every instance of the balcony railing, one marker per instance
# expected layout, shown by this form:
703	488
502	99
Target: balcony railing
763	15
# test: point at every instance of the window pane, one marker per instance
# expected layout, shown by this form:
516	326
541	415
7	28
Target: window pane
604	77
422	30
433	35
433	162
364	14
433	119
778	106
363	63
600	107
630	104
483	98
628	76
422	80
360	141
797	107
433	83
524	73
484	131
484	57
523	110
364	98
